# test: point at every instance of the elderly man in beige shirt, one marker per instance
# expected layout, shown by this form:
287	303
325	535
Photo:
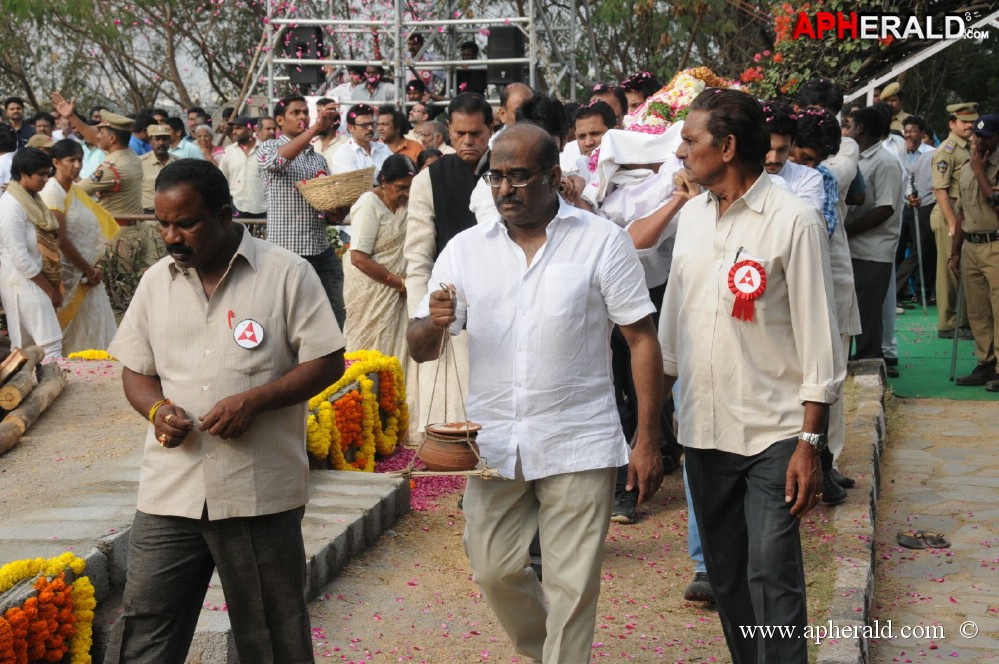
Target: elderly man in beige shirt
748	326
222	345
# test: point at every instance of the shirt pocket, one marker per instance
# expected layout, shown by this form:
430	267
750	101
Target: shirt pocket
565	290
257	359
760	303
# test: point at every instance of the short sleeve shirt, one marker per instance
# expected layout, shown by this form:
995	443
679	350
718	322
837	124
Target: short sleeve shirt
979	217
119	182
291	222
947	161
192	344
539	339
883	176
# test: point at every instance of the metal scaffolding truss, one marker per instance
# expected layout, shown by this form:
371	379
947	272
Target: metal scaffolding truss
549	52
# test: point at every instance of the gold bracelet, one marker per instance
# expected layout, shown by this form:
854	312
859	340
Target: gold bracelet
156	407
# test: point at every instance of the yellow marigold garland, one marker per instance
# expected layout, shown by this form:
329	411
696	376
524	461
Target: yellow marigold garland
90	354
351	431
57	620
83	608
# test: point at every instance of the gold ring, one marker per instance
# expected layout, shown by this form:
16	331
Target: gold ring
819	496
163	439
168	418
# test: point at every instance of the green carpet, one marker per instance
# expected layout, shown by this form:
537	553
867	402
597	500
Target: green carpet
924	360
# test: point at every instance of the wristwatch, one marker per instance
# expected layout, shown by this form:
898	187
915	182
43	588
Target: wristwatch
816	440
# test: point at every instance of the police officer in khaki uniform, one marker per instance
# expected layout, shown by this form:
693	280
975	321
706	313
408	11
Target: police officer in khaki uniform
892	98
947	162
976	248
153	162
117	183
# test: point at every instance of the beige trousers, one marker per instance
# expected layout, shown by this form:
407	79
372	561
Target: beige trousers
946	281
980	272
572	511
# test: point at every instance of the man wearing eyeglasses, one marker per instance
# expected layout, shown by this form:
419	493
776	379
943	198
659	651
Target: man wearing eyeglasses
362	150
538	291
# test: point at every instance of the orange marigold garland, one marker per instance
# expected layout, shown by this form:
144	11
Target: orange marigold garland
56	620
359	424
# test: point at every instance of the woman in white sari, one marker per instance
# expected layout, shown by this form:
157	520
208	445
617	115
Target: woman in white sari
374	288
30	279
86	317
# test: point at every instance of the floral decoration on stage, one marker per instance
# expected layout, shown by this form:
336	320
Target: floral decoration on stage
349	423
56	619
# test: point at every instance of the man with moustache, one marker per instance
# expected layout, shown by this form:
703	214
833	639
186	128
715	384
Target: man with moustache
291	222
224	480
749	330
153	162
947	162
266	129
537	291
362	150
239	165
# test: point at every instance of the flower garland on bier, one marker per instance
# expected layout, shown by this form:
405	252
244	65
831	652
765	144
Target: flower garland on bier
55	620
349	424
651	136
672	103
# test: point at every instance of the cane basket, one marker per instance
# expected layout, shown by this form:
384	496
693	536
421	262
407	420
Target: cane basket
331	192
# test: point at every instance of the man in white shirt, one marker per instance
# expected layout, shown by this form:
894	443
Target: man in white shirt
748	328
361	151
433	134
538	292
803	182
239	165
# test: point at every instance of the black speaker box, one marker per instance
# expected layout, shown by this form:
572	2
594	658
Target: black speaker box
505	42
305	43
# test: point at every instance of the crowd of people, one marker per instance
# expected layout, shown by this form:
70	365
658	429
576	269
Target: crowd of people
694	291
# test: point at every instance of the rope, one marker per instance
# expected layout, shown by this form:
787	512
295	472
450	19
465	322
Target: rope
446	358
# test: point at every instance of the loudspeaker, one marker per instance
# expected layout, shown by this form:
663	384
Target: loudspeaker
305	43
505	42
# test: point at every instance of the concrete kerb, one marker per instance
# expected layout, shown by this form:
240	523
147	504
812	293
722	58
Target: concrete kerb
347	513
854	523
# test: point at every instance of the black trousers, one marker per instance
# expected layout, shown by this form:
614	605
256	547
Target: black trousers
261	562
871	280
907	266
752	549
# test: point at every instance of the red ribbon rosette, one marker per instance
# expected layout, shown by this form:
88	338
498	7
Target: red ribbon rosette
747	280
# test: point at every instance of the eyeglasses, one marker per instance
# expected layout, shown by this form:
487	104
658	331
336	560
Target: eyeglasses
364	125
516	179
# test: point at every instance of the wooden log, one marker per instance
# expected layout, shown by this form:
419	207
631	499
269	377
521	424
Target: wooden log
11	364
51	383
21	383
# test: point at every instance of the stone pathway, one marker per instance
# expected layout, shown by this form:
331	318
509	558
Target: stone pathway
938	473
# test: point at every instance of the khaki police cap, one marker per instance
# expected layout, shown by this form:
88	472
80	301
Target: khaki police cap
158	130
40	141
115	121
967	111
891	90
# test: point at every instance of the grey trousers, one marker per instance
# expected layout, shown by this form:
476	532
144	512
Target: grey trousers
261	562
751	548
